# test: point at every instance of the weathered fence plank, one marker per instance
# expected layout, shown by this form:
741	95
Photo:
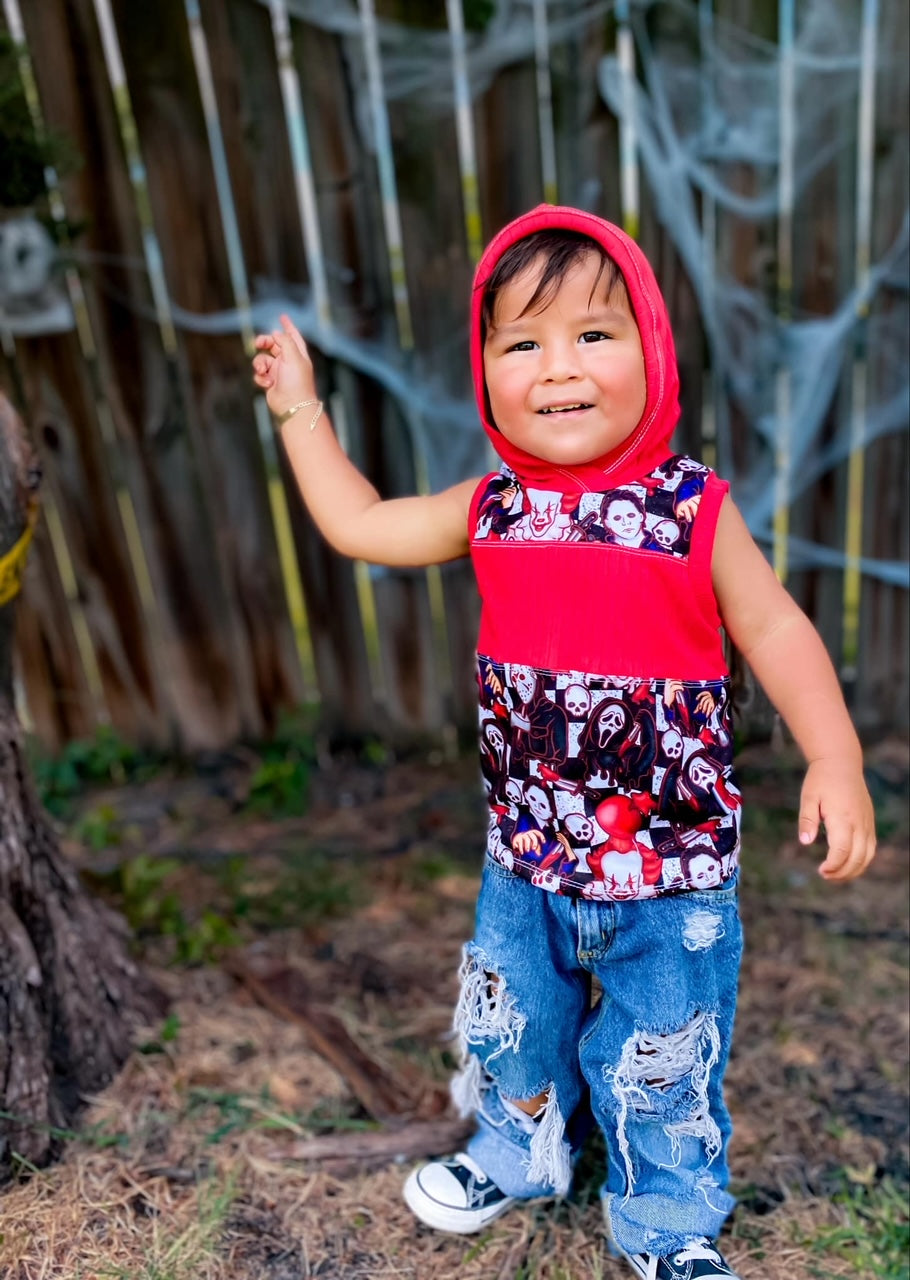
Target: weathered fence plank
60	398
351	225
48	661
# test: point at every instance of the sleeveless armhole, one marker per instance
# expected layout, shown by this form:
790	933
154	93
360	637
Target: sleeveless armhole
475	504
702	546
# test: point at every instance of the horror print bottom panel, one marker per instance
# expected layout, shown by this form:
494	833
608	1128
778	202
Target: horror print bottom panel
605	787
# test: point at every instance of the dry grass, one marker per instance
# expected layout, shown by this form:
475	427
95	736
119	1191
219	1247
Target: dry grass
184	1170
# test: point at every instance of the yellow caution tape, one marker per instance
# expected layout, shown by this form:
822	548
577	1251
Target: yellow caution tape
12	565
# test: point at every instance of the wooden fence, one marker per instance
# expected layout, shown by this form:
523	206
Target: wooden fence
348	160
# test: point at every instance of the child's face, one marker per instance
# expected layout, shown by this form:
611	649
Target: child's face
566	383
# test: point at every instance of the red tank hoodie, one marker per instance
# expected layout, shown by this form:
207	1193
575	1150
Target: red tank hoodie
605	733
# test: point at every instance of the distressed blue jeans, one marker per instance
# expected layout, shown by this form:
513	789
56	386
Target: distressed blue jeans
647	1060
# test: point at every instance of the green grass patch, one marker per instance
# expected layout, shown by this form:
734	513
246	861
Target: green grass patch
279	787
874	1233
162	898
228	1113
146	890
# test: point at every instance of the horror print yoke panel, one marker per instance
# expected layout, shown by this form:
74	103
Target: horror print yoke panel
605	726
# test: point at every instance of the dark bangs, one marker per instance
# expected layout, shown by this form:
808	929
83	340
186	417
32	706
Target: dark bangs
560	251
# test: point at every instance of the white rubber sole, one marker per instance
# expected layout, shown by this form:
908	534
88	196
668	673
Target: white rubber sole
440	1217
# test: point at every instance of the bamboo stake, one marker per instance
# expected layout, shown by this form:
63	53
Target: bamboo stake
395	248
545	103
304	185
388	187
628	132
226	206
129	135
300	156
783	381
856	463
464	128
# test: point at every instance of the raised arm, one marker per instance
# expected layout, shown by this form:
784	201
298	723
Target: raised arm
345	506
790	661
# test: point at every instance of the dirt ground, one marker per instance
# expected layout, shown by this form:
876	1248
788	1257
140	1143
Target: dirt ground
262	1132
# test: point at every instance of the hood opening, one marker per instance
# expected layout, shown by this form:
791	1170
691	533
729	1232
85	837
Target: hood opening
648	444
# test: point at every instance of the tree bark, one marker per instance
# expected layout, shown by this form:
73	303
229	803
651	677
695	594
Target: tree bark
70	996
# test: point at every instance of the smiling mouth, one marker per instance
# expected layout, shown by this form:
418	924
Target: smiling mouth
564	408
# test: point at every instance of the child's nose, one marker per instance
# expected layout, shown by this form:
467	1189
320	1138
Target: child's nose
560	362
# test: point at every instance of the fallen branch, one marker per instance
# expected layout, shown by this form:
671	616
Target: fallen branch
405	1142
283	992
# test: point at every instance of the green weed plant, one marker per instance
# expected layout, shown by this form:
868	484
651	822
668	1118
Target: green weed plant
102	760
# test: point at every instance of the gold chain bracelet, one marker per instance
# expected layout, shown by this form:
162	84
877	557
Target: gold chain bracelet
282	418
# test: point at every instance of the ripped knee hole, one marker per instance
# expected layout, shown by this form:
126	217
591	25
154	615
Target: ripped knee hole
487	1009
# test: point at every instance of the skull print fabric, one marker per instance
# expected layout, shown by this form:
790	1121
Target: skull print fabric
654	514
608	788
605	781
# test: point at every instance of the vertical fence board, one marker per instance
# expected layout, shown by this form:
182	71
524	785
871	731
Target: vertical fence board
883	685
60	399
439	270
823	276
155	48
60	703
587	133
882	693
60	395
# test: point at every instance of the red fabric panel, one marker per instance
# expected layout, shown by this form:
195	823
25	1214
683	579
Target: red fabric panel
595	608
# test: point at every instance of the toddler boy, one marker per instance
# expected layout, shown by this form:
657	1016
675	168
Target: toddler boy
607	566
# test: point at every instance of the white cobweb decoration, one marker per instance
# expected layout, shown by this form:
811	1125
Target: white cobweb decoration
703	111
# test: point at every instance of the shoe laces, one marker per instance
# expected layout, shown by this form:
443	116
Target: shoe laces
696	1251
463	1158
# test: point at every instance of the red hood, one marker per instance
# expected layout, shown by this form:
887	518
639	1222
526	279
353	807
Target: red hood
648	445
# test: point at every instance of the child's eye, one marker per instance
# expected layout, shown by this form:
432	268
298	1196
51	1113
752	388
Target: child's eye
594	335
527	345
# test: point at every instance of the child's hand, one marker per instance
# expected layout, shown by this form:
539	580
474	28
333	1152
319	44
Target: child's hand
282	367
836	794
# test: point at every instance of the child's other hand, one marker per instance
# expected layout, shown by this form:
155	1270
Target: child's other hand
836	794
282	367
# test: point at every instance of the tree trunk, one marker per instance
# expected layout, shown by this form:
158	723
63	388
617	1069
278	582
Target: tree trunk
70	996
